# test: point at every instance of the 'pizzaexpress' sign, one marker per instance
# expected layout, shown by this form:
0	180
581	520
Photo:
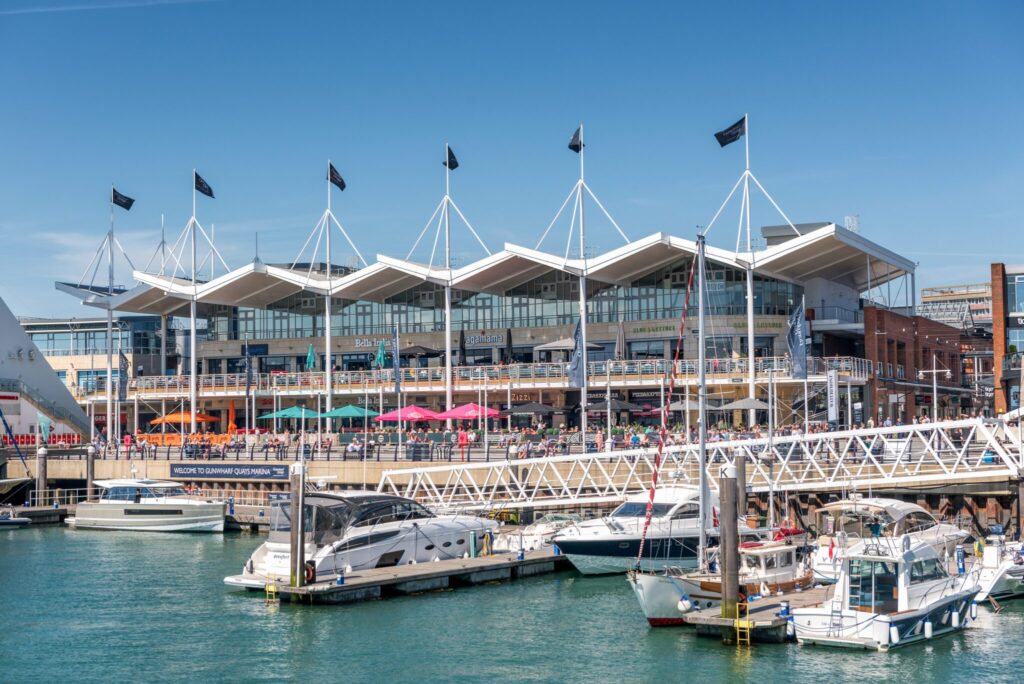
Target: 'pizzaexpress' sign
225	471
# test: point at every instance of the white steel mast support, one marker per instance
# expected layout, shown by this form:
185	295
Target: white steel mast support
583	299
110	325
192	352
701	406
328	365
447	292
751	387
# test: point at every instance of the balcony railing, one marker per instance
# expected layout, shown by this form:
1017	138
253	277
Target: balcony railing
837	313
471	378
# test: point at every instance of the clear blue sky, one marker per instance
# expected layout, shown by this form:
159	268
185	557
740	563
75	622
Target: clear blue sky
904	113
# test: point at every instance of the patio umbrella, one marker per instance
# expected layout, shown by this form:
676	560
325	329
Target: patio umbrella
529	409
744	404
684	405
183	417
350	411
616	405
419	351
231	416
408	414
291	412
469	412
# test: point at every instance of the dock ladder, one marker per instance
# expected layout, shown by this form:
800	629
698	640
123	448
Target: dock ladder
271	590
743	625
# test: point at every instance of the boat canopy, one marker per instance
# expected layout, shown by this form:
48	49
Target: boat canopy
152	484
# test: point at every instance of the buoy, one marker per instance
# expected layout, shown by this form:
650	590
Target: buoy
685	605
974	610
894	634
956	619
927	629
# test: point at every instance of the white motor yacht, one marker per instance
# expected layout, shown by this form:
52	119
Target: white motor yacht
537	534
611	544
844	526
766	568
147	505
1000	572
890	592
352	531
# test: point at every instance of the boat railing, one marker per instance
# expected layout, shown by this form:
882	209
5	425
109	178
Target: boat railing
56	498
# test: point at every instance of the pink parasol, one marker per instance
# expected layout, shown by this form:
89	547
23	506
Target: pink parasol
469	412
408	414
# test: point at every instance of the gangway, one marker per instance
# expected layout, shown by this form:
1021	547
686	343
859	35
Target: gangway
930	454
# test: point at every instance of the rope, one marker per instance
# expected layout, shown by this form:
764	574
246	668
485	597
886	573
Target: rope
664	418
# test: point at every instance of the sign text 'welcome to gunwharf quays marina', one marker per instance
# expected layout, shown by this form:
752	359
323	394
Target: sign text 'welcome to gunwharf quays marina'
195	471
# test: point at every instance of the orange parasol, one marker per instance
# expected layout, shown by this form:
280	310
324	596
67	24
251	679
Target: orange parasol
231	417
183	417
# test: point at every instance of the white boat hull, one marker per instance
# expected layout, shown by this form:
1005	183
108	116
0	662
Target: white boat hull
164	517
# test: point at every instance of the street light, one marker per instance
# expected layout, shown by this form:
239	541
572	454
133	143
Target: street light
934	372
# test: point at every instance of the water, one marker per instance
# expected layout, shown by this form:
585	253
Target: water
111	606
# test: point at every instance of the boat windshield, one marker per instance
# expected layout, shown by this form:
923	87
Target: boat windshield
637	509
163	492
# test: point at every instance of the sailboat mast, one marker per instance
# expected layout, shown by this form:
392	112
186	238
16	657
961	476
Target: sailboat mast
701	406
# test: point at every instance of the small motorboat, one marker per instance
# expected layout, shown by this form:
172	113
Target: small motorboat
891	592
766	568
9	518
536	535
1000	572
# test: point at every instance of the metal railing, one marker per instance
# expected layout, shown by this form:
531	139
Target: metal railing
948	452
472	378
47	498
837	313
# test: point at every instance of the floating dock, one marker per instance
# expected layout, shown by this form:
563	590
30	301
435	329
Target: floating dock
767	626
405	580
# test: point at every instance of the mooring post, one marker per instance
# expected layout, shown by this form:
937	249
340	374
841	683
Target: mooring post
741	487
297	546
41	476
90	470
728	548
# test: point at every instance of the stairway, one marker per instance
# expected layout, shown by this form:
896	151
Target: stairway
76	420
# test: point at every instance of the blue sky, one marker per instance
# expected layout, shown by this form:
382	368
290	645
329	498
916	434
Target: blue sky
902	113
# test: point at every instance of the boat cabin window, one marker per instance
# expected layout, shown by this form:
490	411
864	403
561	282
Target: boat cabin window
390	511
874	585
926	570
751	562
915	522
281	521
637	509
121	494
149	493
778	560
688	511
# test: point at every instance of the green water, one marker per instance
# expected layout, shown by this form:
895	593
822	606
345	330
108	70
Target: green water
111	606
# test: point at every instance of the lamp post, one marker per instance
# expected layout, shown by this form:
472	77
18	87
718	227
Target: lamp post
934	372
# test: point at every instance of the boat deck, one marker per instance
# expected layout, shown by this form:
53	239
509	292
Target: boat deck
404	580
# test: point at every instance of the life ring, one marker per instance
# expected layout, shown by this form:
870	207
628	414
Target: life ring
310	573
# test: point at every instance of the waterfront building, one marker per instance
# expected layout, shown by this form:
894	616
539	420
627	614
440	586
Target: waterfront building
968	307
511	309
1008	333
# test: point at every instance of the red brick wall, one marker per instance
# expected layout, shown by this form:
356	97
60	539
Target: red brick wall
999	332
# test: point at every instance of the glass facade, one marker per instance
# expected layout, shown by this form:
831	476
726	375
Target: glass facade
1015	294
549	300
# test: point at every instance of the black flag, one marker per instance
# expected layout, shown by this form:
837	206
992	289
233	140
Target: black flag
122	377
248	371
576	144
452	163
335	177
732	133
123	201
202	186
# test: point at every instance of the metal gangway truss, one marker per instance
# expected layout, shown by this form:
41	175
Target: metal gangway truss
926	455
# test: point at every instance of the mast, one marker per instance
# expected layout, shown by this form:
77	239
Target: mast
110	327
701	406
328	363
447	290
583	301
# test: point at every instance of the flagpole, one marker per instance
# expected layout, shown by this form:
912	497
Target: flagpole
583	301
807	398
110	322
192	361
751	376
447	291
328	365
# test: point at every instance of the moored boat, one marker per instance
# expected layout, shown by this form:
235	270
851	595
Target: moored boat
148	506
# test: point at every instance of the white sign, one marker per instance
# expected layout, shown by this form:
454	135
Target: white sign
832	384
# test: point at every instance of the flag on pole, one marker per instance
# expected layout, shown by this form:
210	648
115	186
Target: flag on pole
395	362
123	201
797	343
462	347
576	144
248	372
335	177
382	356
576	370
452	163
310	358
122	377
202	186
732	133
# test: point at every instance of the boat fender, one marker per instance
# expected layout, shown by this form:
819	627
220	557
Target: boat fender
974	610
765	591
956	619
927	629
310	572
249	567
685	605
348	568
894	634
791	628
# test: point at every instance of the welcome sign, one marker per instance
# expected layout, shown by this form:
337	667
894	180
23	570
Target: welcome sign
225	471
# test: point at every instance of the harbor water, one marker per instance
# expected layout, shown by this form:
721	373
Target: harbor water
113	606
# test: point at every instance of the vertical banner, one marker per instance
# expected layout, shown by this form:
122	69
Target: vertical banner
832	385
395	363
577	374
797	341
